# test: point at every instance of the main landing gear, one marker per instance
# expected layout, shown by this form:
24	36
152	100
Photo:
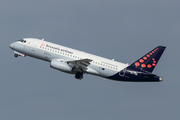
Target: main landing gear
79	75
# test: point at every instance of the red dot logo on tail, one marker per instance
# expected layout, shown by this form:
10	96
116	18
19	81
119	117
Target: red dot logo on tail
143	65
154	64
145	58
141	60
149	66
137	64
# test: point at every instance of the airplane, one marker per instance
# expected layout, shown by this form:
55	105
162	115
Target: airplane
79	63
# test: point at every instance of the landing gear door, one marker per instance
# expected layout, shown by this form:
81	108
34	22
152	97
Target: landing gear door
122	72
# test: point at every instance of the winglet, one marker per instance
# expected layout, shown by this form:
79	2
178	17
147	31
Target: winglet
149	61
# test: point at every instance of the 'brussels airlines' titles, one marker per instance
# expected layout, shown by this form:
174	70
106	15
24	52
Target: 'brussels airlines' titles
57	48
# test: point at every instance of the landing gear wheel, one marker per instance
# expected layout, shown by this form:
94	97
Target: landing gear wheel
16	55
79	75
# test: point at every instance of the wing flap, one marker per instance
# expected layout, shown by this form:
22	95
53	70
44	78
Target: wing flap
80	64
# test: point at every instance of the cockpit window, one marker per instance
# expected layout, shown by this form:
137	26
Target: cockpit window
23	41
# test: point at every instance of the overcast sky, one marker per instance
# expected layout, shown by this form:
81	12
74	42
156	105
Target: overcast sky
121	29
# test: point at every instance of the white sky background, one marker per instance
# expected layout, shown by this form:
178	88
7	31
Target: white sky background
124	30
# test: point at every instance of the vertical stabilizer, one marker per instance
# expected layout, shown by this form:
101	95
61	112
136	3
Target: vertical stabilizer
149	61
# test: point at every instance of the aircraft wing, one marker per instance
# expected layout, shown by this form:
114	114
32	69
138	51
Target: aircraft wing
80	64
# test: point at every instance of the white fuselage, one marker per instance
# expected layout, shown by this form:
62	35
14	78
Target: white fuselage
48	51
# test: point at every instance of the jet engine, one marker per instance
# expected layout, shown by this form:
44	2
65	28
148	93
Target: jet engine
61	65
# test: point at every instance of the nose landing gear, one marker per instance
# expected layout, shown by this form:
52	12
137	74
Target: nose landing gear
16	55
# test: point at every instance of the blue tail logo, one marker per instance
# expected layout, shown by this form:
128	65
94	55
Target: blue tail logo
149	61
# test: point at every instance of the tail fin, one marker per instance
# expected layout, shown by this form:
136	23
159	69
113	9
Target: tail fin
149	61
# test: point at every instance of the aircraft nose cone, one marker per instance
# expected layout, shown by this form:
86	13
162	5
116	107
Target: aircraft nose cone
11	45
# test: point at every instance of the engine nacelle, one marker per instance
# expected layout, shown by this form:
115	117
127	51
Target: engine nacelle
60	65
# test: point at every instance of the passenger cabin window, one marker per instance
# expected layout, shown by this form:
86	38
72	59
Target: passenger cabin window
23	41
